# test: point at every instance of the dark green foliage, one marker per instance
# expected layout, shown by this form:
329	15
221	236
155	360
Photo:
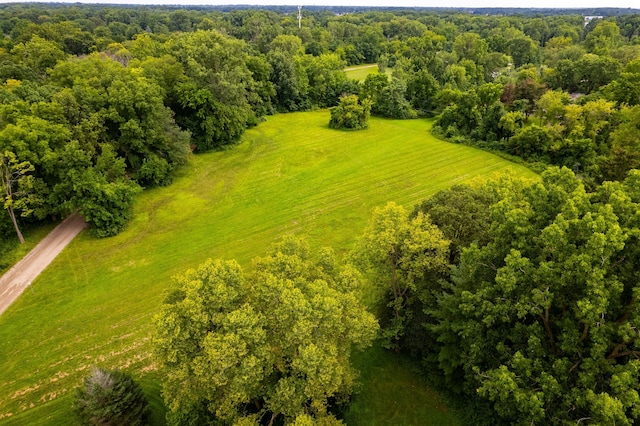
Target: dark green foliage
212	124
111	397
392	102
422	88
350	114
327	80
91	136
129	111
261	87
595	71
626	88
8	242
565	76
213	101
106	206
540	320
625	145
523	50
490	129
373	88
290	82
462	213
91	129
407	255
462	115
531	142
196	415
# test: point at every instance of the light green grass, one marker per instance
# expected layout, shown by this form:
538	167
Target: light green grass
95	303
360	72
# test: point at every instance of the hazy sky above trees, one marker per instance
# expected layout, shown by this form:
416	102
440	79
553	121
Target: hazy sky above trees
397	3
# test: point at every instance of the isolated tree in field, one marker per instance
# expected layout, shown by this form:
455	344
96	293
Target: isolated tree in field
14	178
111	398
271	347
402	253
350	114
542	321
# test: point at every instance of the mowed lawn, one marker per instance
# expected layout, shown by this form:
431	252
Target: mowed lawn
360	72
292	174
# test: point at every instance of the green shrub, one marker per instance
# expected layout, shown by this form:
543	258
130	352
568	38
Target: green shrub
350	114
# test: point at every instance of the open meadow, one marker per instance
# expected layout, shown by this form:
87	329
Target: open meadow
291	174
360	72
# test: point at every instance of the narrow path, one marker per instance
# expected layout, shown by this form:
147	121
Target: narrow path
18	278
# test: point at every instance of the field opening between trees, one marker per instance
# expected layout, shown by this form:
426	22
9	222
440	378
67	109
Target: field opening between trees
290	174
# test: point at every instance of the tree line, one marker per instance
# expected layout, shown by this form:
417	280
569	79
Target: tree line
518	297
99	102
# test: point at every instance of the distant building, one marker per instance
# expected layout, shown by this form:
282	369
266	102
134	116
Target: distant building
588	19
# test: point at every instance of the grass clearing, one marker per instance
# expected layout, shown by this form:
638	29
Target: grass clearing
360	72
394	393
292	174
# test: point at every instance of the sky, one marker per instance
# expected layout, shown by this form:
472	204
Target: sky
395	3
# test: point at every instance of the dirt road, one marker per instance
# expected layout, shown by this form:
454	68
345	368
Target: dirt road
18	278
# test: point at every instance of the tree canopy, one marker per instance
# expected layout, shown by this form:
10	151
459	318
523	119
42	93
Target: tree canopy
405	254
520	295
350	114
274	344
540	320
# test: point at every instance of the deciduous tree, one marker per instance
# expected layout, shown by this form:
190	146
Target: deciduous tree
350	114
271	346
13	175
401	253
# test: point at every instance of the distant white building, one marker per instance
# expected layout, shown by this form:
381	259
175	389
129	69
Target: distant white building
588	19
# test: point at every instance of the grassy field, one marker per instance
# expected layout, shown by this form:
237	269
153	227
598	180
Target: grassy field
394	393
360	72
291	174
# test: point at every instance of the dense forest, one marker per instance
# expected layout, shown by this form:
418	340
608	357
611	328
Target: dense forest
516	297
